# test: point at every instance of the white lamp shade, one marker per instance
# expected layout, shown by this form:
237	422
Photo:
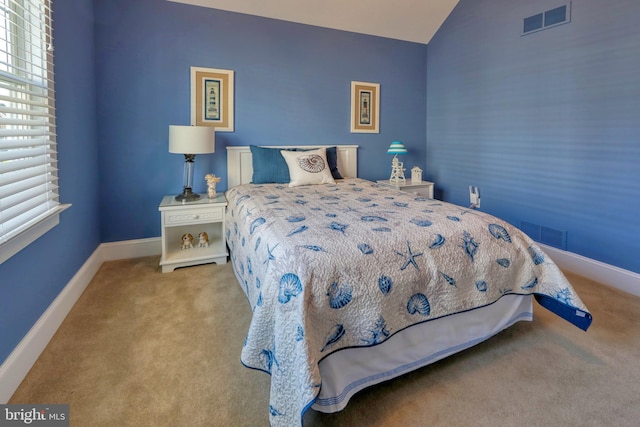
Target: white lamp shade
191	139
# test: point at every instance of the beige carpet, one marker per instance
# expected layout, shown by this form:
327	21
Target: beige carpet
142	348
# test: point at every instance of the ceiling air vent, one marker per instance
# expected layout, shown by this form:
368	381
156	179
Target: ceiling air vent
550	18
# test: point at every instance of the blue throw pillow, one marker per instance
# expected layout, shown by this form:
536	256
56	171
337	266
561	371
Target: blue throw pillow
332	159
269	166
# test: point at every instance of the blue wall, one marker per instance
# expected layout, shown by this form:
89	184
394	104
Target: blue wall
547	124
292	86
30	280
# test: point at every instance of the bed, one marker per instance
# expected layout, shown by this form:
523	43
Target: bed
352	283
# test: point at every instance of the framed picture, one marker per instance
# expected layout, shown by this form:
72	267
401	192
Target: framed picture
212	98
365	107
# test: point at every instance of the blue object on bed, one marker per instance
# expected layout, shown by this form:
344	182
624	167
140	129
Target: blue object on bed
329	267
269	167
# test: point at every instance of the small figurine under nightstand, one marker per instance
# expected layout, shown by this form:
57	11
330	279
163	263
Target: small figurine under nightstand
416	175
212	180
187	241
203	239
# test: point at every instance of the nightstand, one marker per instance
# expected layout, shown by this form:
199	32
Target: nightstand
178	218
424	188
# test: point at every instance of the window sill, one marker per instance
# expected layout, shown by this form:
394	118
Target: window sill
28	236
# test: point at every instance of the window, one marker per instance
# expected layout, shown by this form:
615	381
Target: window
29	202
550	18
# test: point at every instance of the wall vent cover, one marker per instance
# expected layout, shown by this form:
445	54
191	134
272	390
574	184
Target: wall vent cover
555	238
547	19
546	235
530	229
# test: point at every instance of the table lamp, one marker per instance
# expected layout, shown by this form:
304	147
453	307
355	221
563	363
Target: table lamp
397	167
190	140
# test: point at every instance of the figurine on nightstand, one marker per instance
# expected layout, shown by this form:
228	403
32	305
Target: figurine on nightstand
212	180
203	239
187	241
416	175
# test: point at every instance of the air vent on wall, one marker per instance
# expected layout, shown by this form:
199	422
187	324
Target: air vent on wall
546	235
550	18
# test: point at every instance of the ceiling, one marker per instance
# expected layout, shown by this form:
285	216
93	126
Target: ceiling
410	20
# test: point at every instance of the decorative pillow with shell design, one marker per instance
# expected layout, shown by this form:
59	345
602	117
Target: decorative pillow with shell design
308	167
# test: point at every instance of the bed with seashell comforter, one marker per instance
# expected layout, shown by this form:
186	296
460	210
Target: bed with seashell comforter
354	266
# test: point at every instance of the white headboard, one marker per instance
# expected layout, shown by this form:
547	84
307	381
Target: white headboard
240	163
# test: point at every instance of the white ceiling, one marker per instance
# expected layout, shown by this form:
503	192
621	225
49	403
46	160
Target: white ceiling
410	20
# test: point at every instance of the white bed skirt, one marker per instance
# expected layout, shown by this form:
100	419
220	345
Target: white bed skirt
348	371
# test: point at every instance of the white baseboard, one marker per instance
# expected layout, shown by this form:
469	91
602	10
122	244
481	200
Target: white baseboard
131	249
600	272
17	365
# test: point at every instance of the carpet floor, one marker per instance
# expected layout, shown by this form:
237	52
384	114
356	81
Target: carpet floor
142	348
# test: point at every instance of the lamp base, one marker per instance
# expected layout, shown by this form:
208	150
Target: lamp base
397	171
187	195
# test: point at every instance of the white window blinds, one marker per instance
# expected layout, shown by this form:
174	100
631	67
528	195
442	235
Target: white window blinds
29	203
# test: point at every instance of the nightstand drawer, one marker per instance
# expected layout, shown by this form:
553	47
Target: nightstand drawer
193	216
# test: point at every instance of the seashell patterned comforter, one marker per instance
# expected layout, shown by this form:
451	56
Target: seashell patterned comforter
326	267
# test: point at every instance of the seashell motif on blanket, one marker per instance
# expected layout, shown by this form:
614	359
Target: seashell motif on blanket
255	224
385	283
564	295
499	232
536	255
421	222
311	163
469	245
504	262
290	286
365	248
242	199
437	242
531	284
298	230
314	248
373	218
378	333
481	286
338	227
335	334
450	280
339	295
419	303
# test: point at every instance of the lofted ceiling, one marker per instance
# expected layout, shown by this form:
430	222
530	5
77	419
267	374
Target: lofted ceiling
409	20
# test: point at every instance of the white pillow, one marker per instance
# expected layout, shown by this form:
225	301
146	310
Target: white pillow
308	167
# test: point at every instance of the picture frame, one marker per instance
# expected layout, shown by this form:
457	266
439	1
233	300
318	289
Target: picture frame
365	107
212	98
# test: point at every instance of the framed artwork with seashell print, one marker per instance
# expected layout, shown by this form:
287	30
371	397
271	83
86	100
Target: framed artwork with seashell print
212	93
365	107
